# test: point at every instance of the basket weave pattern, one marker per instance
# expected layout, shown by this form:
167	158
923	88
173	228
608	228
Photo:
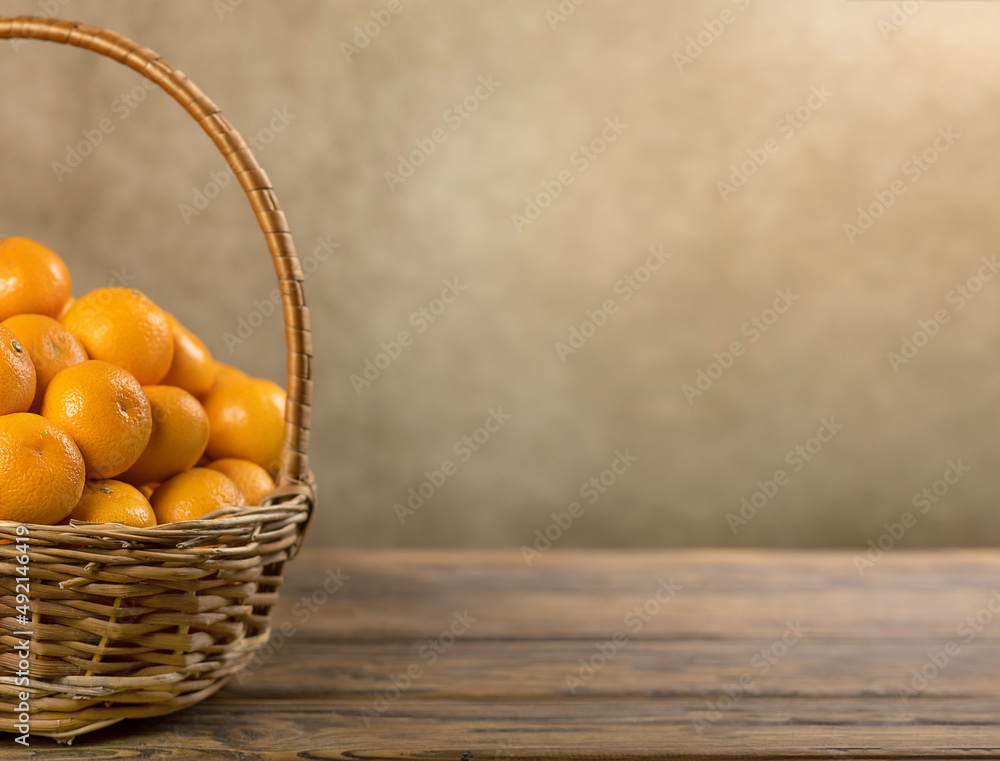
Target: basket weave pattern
128	623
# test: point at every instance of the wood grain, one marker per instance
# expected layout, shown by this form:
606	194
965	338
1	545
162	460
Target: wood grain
334	684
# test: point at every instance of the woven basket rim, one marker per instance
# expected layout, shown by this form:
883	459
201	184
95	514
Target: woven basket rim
193	536
228	517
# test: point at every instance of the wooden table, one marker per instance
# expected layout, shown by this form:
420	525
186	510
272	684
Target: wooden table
693	654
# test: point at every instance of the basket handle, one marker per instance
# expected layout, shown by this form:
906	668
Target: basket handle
294	477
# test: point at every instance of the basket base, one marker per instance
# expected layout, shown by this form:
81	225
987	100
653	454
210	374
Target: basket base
59	727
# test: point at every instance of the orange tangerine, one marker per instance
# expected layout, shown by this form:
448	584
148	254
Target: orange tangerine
43	472
123	327
194	493
247	421
65	309
17	374
192	368
225	373
113	502
178	440
251	478
51	347
33	279
105	411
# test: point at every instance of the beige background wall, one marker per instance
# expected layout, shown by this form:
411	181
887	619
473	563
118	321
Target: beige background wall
655	185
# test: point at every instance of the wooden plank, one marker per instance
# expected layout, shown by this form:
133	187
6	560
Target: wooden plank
725	594
730	569
665	728
534	670
334	686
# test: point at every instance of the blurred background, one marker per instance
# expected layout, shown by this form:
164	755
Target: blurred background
582	273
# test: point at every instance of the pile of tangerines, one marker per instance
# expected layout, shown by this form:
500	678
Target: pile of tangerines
111	411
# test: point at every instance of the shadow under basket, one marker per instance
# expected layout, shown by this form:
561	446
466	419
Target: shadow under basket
102	622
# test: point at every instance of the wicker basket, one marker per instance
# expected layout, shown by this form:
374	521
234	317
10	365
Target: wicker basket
125	623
